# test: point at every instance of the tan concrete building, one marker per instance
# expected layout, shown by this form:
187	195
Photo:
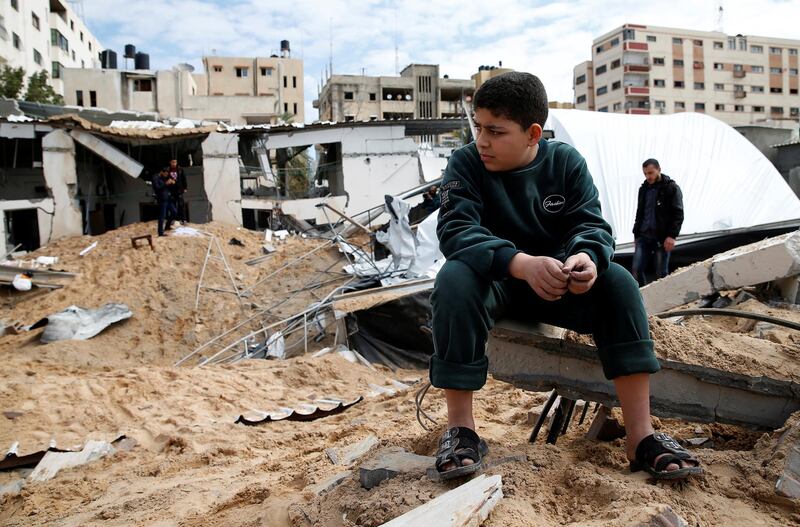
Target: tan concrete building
234	90
419	92
45	35
487	72
639	69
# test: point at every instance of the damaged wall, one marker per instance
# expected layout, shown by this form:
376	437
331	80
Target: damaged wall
58	160
221	177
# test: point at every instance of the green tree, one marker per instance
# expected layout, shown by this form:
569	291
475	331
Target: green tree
40	91
11	80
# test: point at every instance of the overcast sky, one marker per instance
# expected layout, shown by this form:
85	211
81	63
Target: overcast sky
544	38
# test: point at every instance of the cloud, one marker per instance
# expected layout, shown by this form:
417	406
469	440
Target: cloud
546	38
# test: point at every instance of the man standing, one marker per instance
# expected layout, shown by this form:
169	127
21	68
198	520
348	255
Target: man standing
659	216
162	189
177	188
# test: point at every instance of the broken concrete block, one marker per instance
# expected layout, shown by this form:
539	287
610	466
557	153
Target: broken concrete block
760	262
684	285
788	483
790	289
605	427
348	455
391	462
660	516
52	462
327	485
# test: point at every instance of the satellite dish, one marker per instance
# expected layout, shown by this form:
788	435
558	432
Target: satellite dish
408	97
388	96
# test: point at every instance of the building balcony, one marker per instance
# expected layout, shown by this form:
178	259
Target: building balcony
638	111
636	68
738	74
637	91
739	94
635	46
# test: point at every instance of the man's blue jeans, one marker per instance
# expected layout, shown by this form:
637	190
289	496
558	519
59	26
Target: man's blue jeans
647	249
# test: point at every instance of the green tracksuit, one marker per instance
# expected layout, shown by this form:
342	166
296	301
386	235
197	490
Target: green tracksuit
548	208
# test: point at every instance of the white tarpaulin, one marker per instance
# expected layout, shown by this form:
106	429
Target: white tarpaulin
726	182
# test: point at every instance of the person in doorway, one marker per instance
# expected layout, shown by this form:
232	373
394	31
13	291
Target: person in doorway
522	232
659	217
161	189
178	188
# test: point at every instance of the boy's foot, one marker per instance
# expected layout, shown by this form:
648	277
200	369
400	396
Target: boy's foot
663	458
460	453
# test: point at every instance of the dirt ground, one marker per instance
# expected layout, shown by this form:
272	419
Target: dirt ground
192	465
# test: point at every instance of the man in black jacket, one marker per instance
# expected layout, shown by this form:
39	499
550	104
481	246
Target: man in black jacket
161	190
659	216
178	188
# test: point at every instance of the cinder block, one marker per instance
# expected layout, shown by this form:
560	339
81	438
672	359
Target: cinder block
759	262
788	484
685	285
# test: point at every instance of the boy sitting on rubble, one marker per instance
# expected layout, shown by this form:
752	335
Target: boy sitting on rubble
521	228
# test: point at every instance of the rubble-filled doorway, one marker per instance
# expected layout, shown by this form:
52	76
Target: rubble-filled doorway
22	227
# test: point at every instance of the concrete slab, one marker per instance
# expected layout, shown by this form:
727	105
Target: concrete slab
327	485
110	153
681	287
348	455
760	262
534	362
391	462
221	177
788	484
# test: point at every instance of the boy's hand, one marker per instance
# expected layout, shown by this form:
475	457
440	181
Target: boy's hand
582	273
543	274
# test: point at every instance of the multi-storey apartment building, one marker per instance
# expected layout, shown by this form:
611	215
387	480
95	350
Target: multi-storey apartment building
419	92
45	35
639	69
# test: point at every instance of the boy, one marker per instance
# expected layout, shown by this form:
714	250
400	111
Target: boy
521	228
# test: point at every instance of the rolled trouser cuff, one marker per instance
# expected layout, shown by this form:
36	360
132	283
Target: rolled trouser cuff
628	358
457	375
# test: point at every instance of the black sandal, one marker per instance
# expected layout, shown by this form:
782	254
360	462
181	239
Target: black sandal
457	444
657	444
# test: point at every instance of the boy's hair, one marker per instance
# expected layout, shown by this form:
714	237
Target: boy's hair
515	95
652	162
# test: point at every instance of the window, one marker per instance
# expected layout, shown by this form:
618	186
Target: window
348	96
15	4
373	96
628	34
738	108
294	81
37	57
775	51
792	91
659	83
699	106
241	72
794	111
651	38
617	106
660	104
793	72
73	54
35	20
679	105
580	79
81	36
285	84
90	46
79	97
142	85
792	51
217	69
286	107
742	44
758	109
699	85
658	61
678	84
17	42
776	110
616	85
602	90
719	66
677	62
698	43
719	87
677	40
600	70
614	42
757	69
732	43
776	71
581	99
738	88
757	89
718	44
349	118
615	64
756	49
93	99
72	25
57	39
719	107
776	90
603	109
598	49
294	108
56	70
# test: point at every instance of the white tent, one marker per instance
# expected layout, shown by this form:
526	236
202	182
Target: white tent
726	182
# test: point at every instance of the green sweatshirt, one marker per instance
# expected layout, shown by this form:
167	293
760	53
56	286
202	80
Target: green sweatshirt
548	208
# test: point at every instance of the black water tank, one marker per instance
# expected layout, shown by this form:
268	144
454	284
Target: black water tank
130	51
108	59
285	45
142	61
